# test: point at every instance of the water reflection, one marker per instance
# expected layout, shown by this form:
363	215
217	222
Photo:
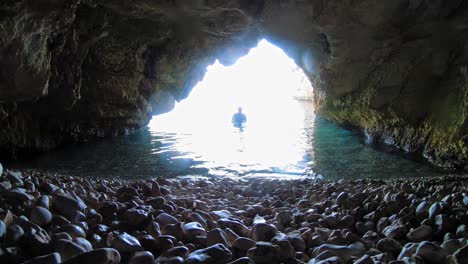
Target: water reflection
300	145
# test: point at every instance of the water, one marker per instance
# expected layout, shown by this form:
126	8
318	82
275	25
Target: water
299	145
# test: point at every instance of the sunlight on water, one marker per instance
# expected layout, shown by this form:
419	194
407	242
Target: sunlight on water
264	84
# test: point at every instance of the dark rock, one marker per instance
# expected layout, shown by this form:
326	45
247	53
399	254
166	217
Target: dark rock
215	254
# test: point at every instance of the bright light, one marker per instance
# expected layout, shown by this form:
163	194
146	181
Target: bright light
264	83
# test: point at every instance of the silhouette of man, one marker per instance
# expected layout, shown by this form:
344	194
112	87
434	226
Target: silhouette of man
239	118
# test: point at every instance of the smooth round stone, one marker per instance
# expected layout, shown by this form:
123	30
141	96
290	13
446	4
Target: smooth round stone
67	249
451	245
215	236
420	233
72	230
461	232
15	178
142	257
126	243
193	229
82	242
67	205
166	219
215	254
97	256
389	245
342	198
263	232
423	207
1	169
53	258
17	195
14	234
431	252
61	235
44	201
243	243
40	216
461	255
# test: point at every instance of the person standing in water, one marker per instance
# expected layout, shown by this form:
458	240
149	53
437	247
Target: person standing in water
239	118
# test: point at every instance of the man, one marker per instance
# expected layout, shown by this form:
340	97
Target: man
238	119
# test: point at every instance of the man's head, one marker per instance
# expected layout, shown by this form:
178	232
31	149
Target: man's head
239	109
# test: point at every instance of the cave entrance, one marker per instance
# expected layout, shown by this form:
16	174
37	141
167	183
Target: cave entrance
275	95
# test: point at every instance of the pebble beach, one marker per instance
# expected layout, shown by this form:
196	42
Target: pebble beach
48	218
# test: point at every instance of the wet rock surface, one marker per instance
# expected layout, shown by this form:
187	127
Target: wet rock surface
421	220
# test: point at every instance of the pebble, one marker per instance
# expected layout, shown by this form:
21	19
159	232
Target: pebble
431	252
97	256
420	233
223	221
67	205
53	258
263	253
461	255
40	216
13	235
214	254
142	257
126	243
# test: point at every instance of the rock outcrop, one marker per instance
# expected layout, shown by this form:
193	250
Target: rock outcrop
74	70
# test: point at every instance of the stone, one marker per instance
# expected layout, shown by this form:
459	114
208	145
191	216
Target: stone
342	198
82	242
13	235
395	231
2	229
214	254
215	236
135	217
17	195
389	245
451	245
263	232
166	219
15	178
97	256
462	232
461	255
126	243
142	257
420	233
53	258
1	169
40	216
67	249
72	230
193	229
431	252
67	205
263	253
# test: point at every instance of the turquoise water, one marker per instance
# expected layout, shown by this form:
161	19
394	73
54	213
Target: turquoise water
301	145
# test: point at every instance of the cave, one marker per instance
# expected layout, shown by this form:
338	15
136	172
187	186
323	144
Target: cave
77	71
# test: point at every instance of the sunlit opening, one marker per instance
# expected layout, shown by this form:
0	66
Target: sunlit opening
266	83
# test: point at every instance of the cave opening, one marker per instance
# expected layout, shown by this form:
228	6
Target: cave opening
276	97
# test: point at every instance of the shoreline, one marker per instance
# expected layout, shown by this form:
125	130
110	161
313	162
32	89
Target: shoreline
49	218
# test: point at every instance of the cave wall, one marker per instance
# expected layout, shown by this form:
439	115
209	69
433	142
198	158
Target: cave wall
75	70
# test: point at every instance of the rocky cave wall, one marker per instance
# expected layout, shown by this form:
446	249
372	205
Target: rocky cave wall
74	70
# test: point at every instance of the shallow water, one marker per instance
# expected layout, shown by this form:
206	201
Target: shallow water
301	145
